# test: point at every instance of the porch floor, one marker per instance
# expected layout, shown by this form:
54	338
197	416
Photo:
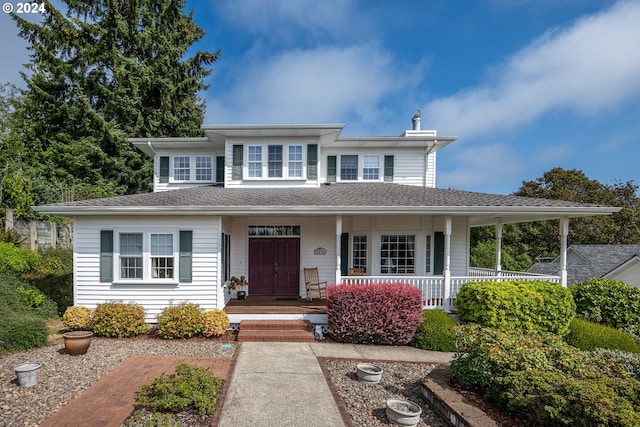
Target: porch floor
276	305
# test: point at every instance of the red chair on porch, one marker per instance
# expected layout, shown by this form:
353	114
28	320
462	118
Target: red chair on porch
313	284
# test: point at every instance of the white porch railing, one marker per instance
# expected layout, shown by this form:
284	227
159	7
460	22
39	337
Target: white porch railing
432	287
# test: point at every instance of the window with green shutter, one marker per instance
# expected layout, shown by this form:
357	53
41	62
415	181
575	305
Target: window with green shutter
236	170
312	161
106	256
331	168
220	169
388	168
164	169
186	255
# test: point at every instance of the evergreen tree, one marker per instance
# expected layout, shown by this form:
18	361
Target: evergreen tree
99	73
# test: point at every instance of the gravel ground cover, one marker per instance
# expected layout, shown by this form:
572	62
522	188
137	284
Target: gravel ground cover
366	402
64	377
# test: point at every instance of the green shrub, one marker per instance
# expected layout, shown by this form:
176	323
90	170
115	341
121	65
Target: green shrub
152	419
517	305
608	302
189	386
589	335
119	320
11	236
542	381
215	322
16	260
77	318
53	275
22	331
180	321
437	331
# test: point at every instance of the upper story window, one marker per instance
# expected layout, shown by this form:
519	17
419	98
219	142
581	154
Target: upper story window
197	168
348	167
181	169
295	161
273	161
371	167
255	162
363	167
204	168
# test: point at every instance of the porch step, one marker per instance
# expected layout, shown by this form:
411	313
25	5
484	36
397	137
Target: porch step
275	331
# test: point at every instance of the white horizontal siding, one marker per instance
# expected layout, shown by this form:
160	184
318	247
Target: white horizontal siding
630	275
204	288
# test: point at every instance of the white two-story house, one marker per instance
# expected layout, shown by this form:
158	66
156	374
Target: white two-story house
265	201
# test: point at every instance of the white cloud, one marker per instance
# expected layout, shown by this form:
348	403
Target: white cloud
589	67
326	84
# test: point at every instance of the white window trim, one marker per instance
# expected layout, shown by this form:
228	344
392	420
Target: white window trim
416	251
192	169
265	162
146	257
360	167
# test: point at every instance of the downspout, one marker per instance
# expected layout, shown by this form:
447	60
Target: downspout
564	232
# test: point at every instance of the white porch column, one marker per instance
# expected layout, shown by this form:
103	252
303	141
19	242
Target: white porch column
338	249
564	232
499	247
447	262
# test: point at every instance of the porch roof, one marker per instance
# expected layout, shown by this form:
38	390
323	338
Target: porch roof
332	199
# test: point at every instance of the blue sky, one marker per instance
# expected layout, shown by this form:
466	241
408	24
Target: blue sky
526	85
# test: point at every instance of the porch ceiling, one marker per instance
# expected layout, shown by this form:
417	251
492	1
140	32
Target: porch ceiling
335	199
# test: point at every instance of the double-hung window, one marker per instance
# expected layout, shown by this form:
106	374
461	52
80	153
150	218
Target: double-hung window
370	167
275	161
295	161
397	254
162	261
181	168
255	161
348	167
204	168
131	256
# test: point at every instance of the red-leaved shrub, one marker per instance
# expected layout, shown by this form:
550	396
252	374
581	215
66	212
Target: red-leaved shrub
388	313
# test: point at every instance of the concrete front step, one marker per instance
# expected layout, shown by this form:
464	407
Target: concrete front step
275	331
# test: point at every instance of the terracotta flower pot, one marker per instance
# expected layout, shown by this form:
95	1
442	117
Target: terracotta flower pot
77	342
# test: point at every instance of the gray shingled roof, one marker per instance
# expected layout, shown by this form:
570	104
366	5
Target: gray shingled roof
352	197
599	260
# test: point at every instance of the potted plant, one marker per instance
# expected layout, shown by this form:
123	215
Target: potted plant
77	339
239	284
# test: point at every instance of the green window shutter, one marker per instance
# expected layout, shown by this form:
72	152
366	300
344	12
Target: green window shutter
164	169
106	256
344	254
331	168
186	255
312	161
219	169
438	253
236	171
388	168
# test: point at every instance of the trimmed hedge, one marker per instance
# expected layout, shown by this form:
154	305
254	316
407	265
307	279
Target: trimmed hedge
541	380
590	335
437	331
215	322
517	305
180	321
608	302
120	320
374	314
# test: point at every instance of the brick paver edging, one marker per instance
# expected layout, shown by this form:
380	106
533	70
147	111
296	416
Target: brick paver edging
111	400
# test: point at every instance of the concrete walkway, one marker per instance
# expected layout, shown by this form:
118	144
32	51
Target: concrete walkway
282	384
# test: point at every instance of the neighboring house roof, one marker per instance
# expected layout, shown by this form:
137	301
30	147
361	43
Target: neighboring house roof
341	198
594	261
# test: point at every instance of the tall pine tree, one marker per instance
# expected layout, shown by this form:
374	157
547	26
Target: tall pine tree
101	72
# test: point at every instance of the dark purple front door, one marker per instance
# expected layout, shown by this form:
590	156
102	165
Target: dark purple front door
274	266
